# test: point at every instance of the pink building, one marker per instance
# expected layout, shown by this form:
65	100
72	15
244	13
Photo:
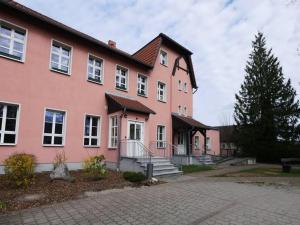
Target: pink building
62	90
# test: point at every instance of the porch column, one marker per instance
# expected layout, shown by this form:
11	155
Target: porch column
188	149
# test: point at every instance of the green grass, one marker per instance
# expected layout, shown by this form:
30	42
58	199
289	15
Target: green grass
272	172
195	168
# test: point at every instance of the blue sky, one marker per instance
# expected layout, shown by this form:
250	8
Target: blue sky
219	33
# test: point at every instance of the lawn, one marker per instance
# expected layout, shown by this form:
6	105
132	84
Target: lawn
270	172
196	168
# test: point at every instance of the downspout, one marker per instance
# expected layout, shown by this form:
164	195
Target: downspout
189	144
119	141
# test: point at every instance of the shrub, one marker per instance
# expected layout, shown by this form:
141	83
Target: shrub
19	169
60	158
134	177
195	168
94	167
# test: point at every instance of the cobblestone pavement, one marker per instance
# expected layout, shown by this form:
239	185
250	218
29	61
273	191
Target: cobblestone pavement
187	200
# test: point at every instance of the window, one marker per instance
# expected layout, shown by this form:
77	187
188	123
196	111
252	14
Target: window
179	109
185	87
95	69
12	41
60	57
185	111
54	128
208	143
161	92
163	58
161	136
113	132
142	85
91	131
121	78
8	123
179	85
197	142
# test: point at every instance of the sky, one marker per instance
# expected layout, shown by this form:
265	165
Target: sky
218	32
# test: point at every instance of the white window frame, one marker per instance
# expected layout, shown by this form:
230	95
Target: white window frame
110	129
185	110
164	135
179	110
126	78
61	45
162	54
185	87
208	143
64	129
16	132
98	136
145	84
164	99
197	142
12	39
95	67
179	85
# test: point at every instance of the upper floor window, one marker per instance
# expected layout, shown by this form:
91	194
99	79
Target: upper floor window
61	57
54	128
161	92
113	132
185	111
179	109
161	136
142	85
12	41
163	58
91	131
95	69
121	78
185	87
8	123
179	85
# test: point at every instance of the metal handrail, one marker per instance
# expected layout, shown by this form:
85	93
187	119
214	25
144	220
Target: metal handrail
147	153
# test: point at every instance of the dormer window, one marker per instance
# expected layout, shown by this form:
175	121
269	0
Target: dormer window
163	58
12	42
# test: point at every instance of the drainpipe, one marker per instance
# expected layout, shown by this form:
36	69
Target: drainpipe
189	144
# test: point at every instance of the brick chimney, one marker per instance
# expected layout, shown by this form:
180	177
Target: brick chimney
112	44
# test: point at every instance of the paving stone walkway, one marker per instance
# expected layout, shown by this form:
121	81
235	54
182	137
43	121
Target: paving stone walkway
188	200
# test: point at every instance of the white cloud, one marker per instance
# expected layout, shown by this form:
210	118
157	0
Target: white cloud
218	32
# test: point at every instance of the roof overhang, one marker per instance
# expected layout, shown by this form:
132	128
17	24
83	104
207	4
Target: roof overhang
188	122
117	103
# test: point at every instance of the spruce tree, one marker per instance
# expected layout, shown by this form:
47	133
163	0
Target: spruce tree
266	111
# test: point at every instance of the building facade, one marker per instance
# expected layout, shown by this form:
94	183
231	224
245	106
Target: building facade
61	90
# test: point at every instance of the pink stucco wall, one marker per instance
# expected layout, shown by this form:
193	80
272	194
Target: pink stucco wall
32	85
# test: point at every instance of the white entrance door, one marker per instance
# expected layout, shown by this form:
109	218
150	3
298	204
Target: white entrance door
135	139
181	143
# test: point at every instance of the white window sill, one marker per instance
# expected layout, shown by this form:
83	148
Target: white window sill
8	144
91	146
141	95
121	89
163	101
95	82
17	60
44	145
58	71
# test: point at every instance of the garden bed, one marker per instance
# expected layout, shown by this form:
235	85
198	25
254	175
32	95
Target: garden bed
44	191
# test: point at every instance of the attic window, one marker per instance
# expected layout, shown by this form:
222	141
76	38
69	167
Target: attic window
163	58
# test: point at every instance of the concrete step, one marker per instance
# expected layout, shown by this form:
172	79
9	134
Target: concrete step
167	173
158	164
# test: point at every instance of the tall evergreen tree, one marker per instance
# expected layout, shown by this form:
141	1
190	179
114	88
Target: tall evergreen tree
266	111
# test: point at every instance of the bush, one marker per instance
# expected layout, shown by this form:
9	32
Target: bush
60	158
195	168
94	167
134	177
19	169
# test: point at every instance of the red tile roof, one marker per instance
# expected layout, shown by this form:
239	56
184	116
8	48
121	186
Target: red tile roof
117	103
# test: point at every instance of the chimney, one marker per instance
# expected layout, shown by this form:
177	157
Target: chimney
112	44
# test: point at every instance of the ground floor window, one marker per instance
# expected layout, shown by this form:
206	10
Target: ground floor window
208	143
8	123
91	131
54	128
113	132
161	136
197	142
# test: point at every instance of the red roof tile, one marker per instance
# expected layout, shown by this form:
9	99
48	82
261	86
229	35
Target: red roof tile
192	122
